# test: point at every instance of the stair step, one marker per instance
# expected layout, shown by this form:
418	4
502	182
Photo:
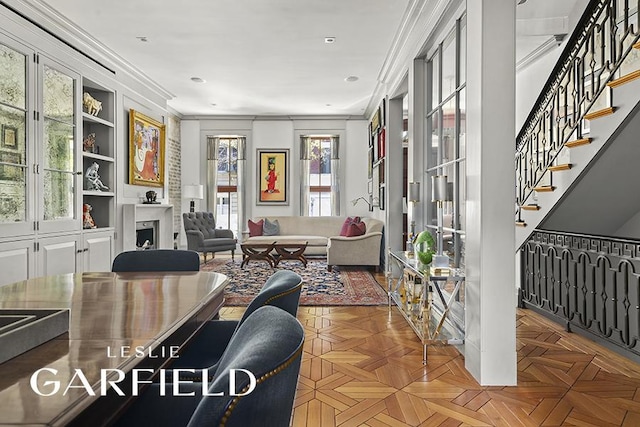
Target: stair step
624	79
562	167
578	142
521	224
544	188
600	113
530	207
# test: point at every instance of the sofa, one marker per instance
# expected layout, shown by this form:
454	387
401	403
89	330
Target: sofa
323	237
203	236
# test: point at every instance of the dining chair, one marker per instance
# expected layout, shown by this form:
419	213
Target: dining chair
156	260
282	289
269	346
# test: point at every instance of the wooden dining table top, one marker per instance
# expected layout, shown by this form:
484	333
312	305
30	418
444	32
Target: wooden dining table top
116	321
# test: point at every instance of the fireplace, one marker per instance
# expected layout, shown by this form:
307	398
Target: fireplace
142	222
146	232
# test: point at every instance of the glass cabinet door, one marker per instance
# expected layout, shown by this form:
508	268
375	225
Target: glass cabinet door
16	213
58	158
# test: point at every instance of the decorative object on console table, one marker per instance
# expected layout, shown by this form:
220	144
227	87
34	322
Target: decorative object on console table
193	192
146	150
439	195
273	179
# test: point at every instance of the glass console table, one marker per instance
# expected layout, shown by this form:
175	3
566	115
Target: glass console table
432	304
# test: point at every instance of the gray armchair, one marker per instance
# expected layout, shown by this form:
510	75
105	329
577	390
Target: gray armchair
203	236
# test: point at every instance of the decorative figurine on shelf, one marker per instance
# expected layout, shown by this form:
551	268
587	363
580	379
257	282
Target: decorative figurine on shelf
87	220
89	144
91	105
93	179
151	197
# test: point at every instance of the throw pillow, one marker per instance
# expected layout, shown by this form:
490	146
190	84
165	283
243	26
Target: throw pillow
345	224
356	229
270	228
255	228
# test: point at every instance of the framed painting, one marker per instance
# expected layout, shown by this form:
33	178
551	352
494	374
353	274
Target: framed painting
9	136
146	150
273	177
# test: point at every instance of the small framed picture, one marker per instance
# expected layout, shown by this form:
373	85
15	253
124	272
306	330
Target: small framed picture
9	136
273	177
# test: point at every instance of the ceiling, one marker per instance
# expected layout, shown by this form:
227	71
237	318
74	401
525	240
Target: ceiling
262	57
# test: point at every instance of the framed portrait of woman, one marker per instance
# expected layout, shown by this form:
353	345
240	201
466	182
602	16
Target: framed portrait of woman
146	150
273	177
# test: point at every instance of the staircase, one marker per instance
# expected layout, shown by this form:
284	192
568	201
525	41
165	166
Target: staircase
592	93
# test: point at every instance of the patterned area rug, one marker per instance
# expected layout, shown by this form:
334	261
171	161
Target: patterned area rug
342	286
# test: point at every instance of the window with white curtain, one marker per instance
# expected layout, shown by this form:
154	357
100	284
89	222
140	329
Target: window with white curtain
226	158
320	190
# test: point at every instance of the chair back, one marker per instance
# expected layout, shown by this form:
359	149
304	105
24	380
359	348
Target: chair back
282	289
204	222
269	345
156	260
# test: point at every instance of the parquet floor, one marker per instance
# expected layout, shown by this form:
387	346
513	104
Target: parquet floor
362	367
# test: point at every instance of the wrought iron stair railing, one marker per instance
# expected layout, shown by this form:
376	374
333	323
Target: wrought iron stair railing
593	56
588	282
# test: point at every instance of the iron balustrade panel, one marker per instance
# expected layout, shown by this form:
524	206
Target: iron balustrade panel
592	282
598	47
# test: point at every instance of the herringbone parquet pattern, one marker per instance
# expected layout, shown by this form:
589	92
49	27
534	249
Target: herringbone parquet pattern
362	367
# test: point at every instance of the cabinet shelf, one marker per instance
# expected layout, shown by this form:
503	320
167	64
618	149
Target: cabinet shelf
94	119
98	157
98	193
97	230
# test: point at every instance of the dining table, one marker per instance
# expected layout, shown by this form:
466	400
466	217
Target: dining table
120	326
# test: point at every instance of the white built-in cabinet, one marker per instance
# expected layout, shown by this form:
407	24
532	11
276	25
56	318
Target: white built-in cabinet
43	165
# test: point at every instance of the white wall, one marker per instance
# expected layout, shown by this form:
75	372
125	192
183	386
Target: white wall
279	133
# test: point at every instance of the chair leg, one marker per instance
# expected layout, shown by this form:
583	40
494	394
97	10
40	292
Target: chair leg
205	257
232	254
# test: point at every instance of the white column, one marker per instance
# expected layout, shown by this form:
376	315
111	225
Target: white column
417	138
490	343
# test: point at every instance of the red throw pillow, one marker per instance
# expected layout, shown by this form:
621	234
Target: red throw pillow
255	228
356	229
345	224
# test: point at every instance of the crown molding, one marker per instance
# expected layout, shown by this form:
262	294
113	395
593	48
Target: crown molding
270	118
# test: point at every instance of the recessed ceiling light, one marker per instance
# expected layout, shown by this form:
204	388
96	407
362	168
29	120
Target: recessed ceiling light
351	79
214	104
198	80
142	39
329	40
328	105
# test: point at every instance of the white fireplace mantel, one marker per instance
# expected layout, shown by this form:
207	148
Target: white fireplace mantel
133	213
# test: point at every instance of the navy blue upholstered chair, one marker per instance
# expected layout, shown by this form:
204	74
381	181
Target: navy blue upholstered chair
156	260
282	289
269	345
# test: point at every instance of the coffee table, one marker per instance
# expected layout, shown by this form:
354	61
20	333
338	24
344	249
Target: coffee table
291	251
257	252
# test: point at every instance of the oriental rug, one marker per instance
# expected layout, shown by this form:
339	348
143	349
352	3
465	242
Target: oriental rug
342	286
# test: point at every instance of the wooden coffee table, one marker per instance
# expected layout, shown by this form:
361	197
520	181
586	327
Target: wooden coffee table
257	252
263	252
291	251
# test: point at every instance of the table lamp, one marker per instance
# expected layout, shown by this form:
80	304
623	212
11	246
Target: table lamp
439	195
193	191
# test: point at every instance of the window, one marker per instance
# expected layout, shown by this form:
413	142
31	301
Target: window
320	191
445	150
226	154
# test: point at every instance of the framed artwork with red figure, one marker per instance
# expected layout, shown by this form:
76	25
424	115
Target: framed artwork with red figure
273	177
146	150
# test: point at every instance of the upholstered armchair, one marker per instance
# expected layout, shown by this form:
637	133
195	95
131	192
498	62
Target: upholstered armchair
269	346
203	236
282	289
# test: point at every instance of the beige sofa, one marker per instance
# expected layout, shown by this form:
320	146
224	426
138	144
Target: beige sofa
323	237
